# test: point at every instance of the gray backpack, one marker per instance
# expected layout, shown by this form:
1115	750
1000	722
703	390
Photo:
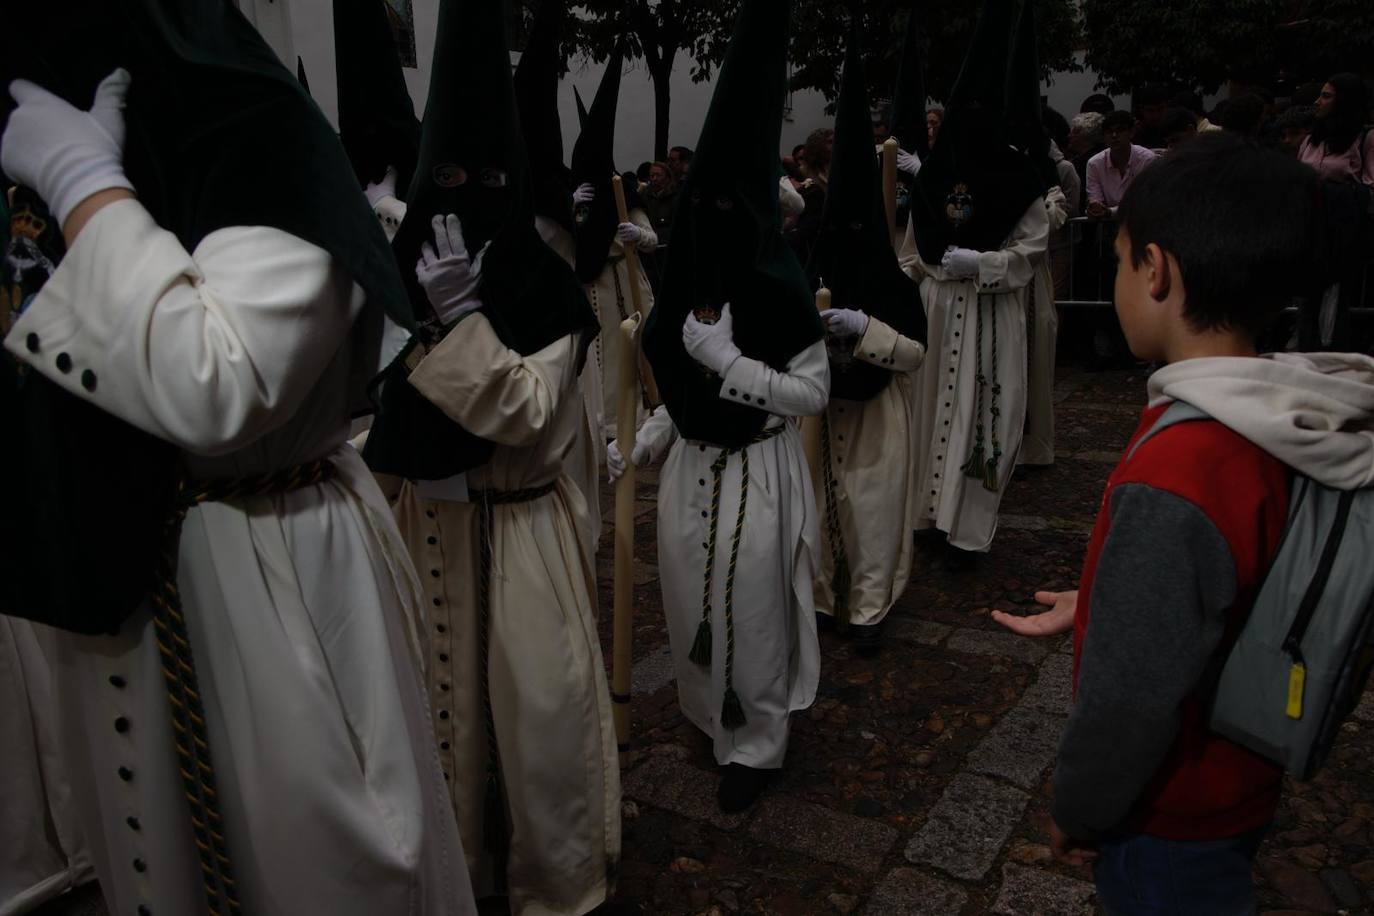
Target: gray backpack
1301	662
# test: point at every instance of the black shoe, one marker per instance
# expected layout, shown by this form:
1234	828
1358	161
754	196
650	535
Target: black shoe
740	787
825	623
868	638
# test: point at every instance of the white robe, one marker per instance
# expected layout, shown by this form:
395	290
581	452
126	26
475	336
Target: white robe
551	707
874	466
612	300
301	607
1043	329
947	390
42	850
777	658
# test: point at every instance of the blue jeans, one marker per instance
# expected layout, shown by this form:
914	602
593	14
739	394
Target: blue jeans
1143	875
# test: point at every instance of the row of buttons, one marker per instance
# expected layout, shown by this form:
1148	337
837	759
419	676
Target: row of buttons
122	725
63	362
440	628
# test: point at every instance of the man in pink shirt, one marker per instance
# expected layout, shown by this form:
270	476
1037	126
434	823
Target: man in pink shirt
1111	171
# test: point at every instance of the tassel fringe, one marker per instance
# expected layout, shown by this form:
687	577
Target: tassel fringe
731	711
701	646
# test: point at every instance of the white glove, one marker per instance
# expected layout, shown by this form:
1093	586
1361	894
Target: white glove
584	194
908	162
628	234
382	189
390	212
449	277
615	462
62	152
845	322
960	263
712	345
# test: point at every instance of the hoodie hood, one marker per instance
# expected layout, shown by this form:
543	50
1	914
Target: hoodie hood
1312	411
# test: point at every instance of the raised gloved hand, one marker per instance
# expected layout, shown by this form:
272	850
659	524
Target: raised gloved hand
960	263
712	345
628	234
62	152
908	162
584	194
642	454
449	277
383	189
845	322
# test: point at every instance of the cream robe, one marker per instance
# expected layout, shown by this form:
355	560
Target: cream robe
947	389
42	850
550	702
874	467
777	658
611	310
1038	446
301	606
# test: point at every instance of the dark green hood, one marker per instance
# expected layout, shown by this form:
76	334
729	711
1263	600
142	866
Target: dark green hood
1025	122
909	101
593	162
536	96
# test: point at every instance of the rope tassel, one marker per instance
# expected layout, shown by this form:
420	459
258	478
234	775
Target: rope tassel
701	646
731	711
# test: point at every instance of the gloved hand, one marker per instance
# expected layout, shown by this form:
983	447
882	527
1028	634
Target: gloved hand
62	152
628	234
642	454
382	189
390	212
450	279
960	263
584	194
908	162
845	322
712	345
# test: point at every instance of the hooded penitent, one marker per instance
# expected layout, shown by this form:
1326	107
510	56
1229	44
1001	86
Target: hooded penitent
536	97
909	101
376	117
219	133
473	164
727	239
1025	124
853	255
593	162
974	188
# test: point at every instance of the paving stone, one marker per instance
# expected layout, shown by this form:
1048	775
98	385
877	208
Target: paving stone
1066	646
1037	892
680	788
1365	711
993	642
1064	525
968	826
822	833
1019	748
908	892
1052	690
652	673
1096	456
921	632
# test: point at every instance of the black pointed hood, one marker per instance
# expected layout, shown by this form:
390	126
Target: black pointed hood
300	75
974	188
593	162
727	238
1025	122
376	116
853	255
473	163
581	110
909	101
536	96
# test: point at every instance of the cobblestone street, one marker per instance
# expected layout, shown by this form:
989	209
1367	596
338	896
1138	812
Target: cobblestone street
919	782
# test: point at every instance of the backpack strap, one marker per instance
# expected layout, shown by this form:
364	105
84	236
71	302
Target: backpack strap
1176	413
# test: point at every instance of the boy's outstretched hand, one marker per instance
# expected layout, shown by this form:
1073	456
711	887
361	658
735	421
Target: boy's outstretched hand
1064	849
1058	619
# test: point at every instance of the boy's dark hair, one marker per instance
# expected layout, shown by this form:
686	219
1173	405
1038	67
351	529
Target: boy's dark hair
1189	100
1177	120
683	153
1102	104
1244	114
1239	220
1118	120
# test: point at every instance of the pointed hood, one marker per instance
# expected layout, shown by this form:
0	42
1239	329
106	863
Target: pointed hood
909	101
473	163
300	75
727	238
376	116
853	255
593	162
974	188
1025	123
581	110
536	97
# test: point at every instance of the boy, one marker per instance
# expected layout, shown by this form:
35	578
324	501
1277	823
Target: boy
1170	814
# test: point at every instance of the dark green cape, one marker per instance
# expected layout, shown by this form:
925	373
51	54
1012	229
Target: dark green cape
853	255
727	239
972	169
376	117
536	96
473	164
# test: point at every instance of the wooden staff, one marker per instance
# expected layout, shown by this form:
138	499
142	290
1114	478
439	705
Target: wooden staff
646	377
890	187
811	426
625	533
